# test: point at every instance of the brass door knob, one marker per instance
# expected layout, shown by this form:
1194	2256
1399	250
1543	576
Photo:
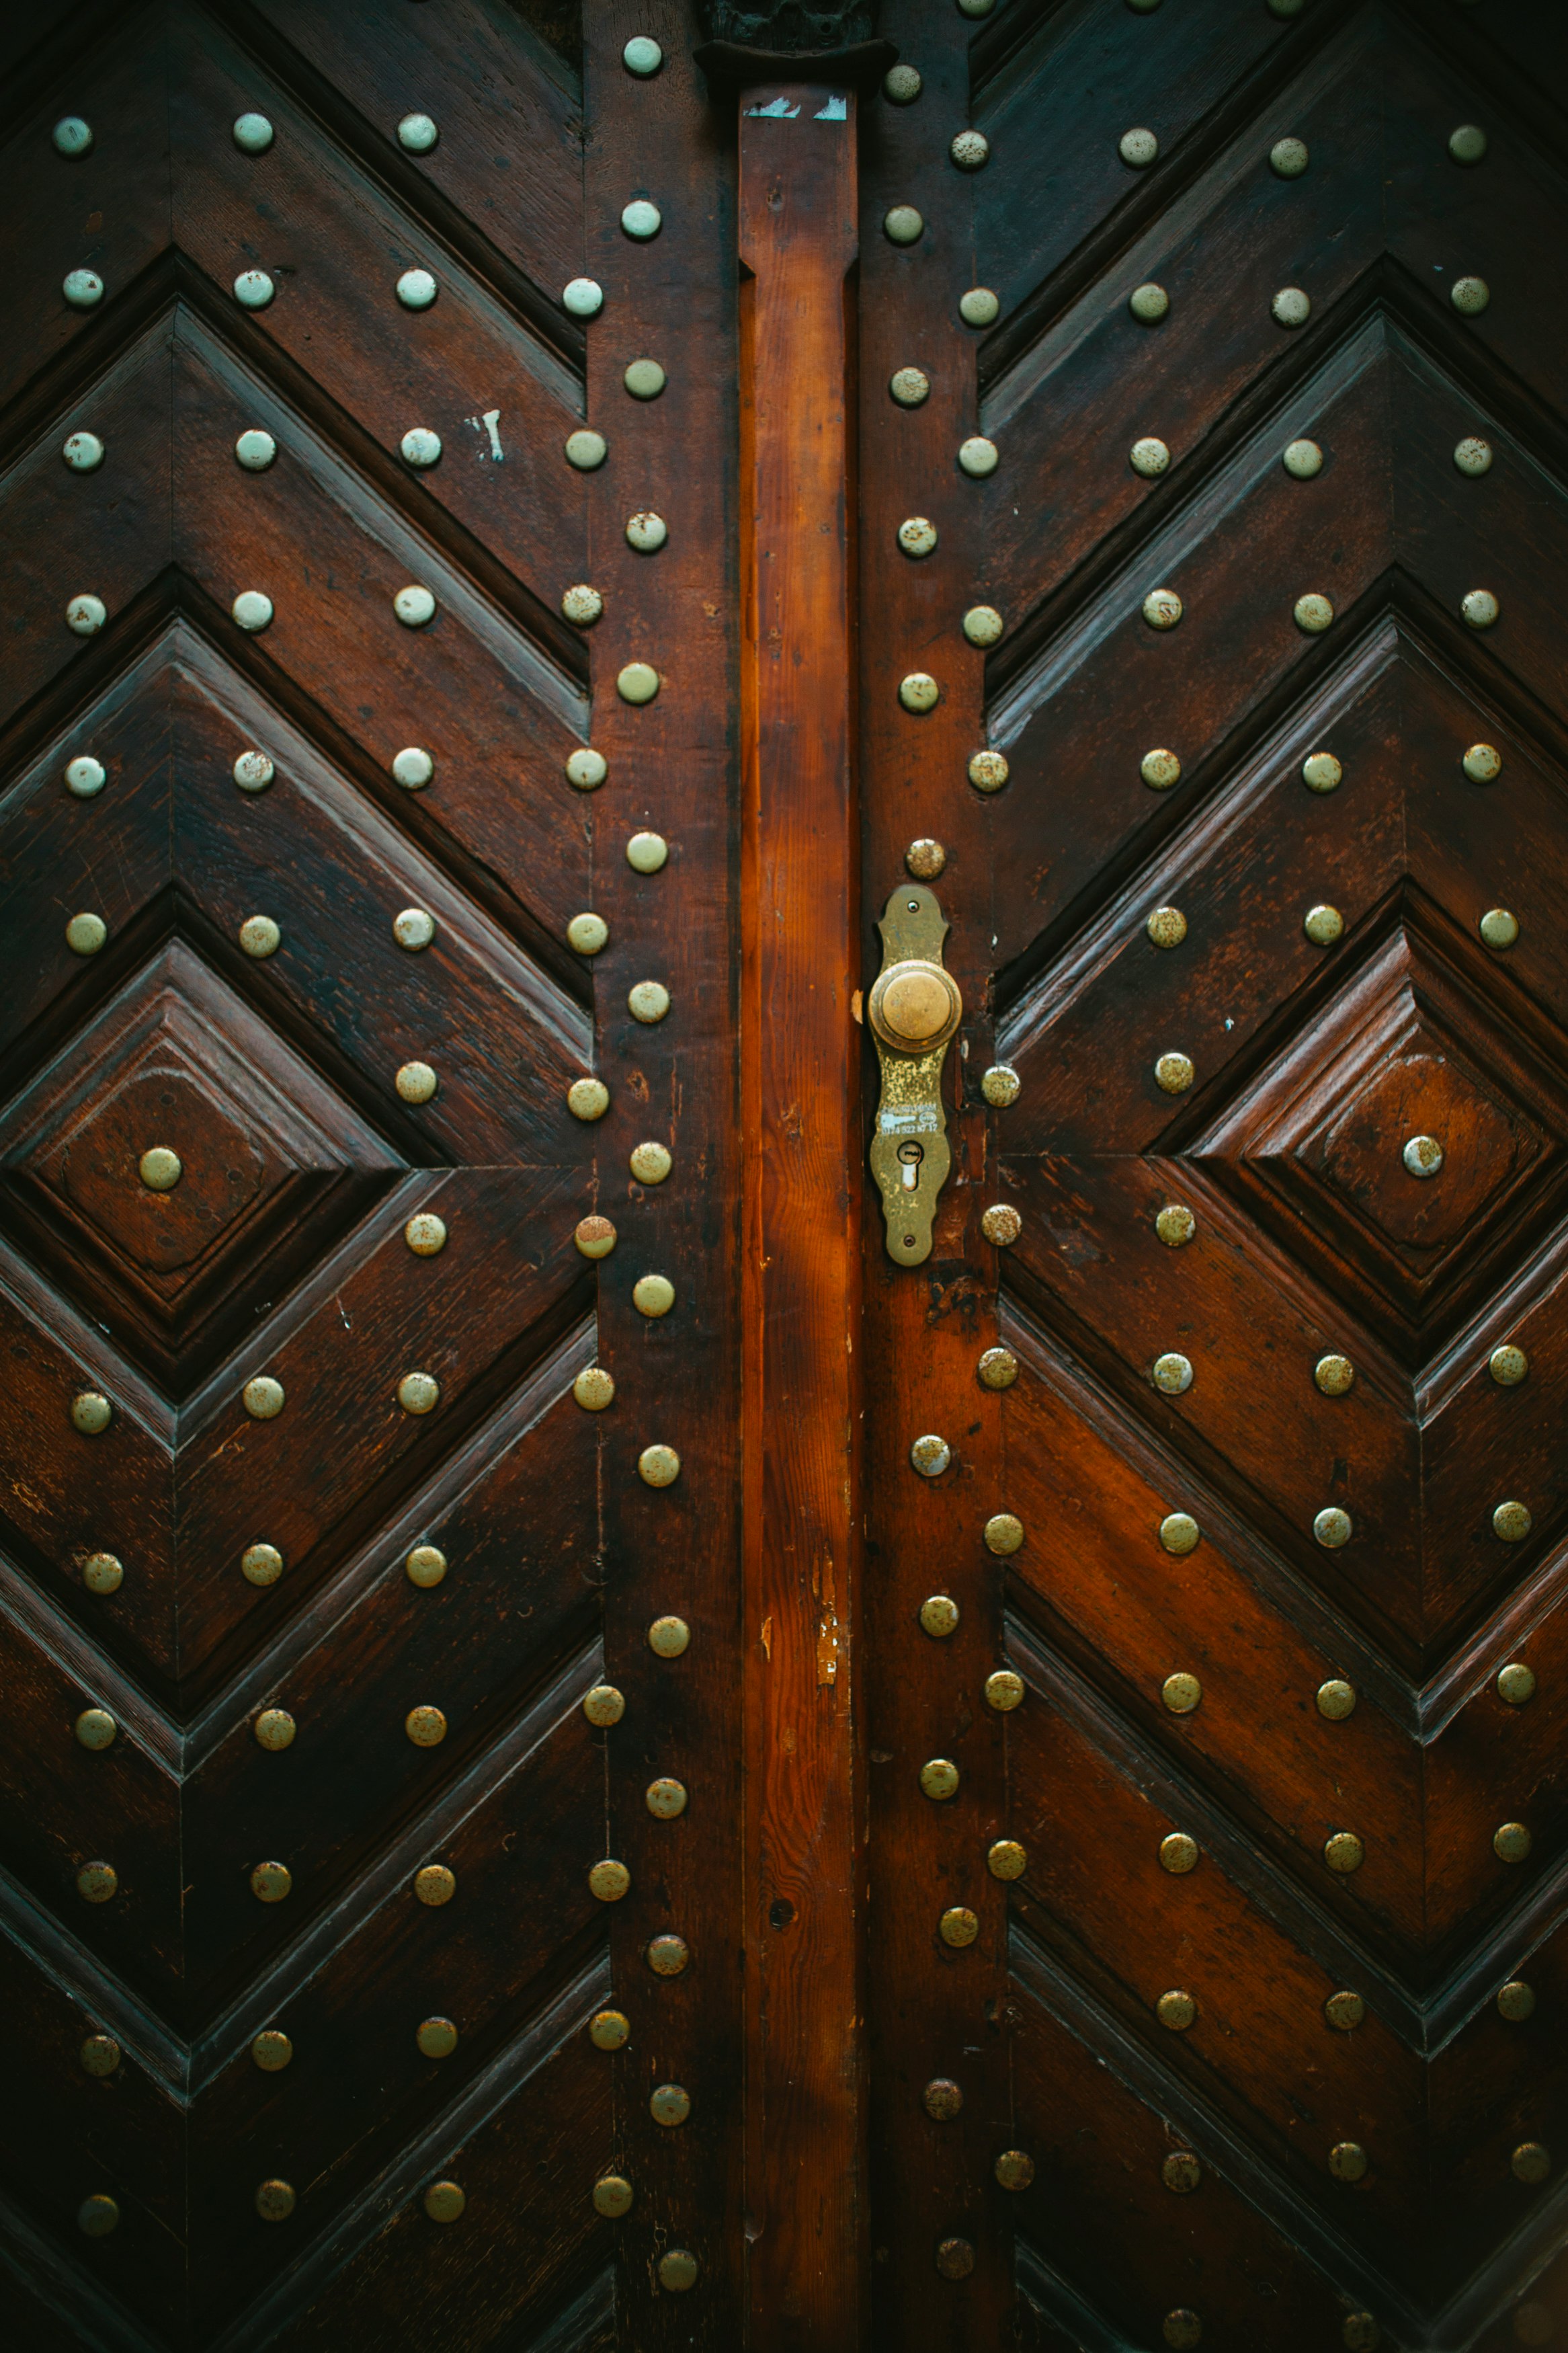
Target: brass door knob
915	1006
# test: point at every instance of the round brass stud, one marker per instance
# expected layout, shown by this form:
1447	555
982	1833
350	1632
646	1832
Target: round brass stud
1160	769
86	615
1482	764
1516	2001
1508	1366
593	1388
1336	1699
425	1726
413	928
1167	927
1014	2168
902	225
1469	296
72	137
670	2103
1005	1859
925	858
1334	1375
412	768
650	1164
668	1638
253	770
665	1799
270	1882
1512	1522
1323	925
261	1564
982	624
436	2037
588	1099
444	2201
275	2201
638	682
1175	1224
1173	1073
585	449
1348	2161
658	1466
988	771
160	1169
941	2099
1179	1533
955	2258
970	150
1171	1374
594	1237
90	1412
1480	607
1531	2161
1148	304
1516	1683
271	2051
1344	1852
1004	1533
1150	457
415	1082
1344	2011
1333	1528
648	1001
1181	1693
274	1729
609	2030
1321	773
1162	608
1313	613
977	457
418	1392
1290	307
938	1615
586	769
931	1456
917	536
426	1234
435	1885
997	1369
263	1398
918	691
958	1926
603	1705
1001	1224
1178	1853
938	1778
96	1882
260	936
97	2216
668	1956
100	2055
1498	928
587	933
1139	148
910	386
1004	1691
678	2270
425	1565
902	85
1182	2172
1473	456
612	2196
1176	2010
1533	2324
979	307
1511	1842
609	1881
95	1728
1182	2329
1302	460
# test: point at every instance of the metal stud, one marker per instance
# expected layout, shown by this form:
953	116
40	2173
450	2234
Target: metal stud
1173	1073
1167	927
413	606
670	2105
931	1456
587	933
979	307
1344	2011
1302	459
1171	1374
86	615
1178	1853
1422	1155
941	2099
1516	1683
91	1412
1348	2161
1013	2170
636	682
1179	1533
435	1885
975	7
97	2216
95	1729
1313	614
658	1466
970	150
677	2269
253	772
1290	307
642	55
1331	1527
645	531
1344	1852
271	1882
668	1956
100	2055
593	1388
1139	148
72	137
1334	1375
1182	2328
1150	455
83	452
594	1237
1160	769
603	1705
612	2196
982	624
1001	1224
260	936
425	1726
1472	455
650	1164
939	1616
83	289
444	2201
902	85
609	2030
261	1564
641	220
1180	2171
665	1799
1004	1533
648	853
918	691
85	777
420	446
988	771
274	1729
958	1926
418	1392
96	1882
416	289
1004	1691
1469	296
1149	303
647	1000
412	768
653	1294
253	134
1498	928
902	225
938	1778
925	858
1176	2010
415	1082
1162	608
586	769
160	1169
436	2038
417	134
1001	1085
1181	1693
582	604
1176	1225
275	2201
977	457
263	1398
1289	158
1512	1522
1336	1699
583	297
103	1572
1321	773
955	2257
917	536
1511	1842
1480	607
425	1565
910	387
1530	2162
644	379
1516	2001
1323	925
254	289
1482	764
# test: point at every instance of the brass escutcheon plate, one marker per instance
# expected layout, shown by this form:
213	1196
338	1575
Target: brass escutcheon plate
914	1010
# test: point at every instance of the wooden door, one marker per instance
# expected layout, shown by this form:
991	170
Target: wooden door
607	1745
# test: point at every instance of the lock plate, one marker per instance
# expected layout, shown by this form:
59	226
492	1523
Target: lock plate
914	1010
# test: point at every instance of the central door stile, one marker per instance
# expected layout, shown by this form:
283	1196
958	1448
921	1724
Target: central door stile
802	1151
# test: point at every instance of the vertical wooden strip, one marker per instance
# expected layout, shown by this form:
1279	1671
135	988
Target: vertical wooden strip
801	1187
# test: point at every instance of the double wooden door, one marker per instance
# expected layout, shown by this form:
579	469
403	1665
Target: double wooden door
705	1644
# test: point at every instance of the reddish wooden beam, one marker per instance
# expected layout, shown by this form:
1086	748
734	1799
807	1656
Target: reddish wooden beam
804	1150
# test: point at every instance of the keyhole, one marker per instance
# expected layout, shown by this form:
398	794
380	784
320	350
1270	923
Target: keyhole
910	1155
